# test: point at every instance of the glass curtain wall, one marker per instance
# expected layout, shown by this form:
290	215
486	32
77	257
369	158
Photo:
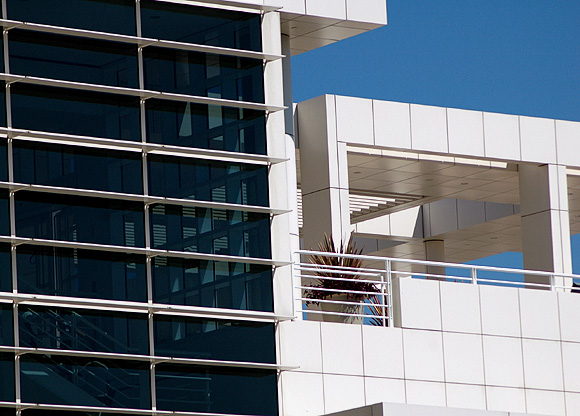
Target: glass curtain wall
122	230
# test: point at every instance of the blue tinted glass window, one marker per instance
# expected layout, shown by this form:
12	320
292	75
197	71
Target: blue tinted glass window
5	268
7	379
4	216
212	284
81	273
73	59
214	339
201	74
115	16
82	330
84	381
6	325
84	113
214	231
202	25
74	218
3	160
208	181
206	126
216	390
77	167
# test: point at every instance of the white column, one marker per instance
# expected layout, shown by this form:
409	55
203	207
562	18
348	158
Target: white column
435	251
545	221
323	173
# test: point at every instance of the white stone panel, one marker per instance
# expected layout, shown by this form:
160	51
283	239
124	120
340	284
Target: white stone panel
300	345
538	140
569	305
354	120
568	143
392	124
383	352
429	128
502	359
465	396
539	314
460	307
463	358
292	6
388	390
465	132
343	392
571	360
374	11
542	364
505	399
423	355
328	8
302	393
500	310
547	403
426	393
342	349
572	404
420	305
501	136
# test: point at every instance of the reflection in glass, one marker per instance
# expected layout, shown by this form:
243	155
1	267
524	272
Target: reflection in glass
77	167
214	339
196	73
73	59
201	25
206	126
115	16
84	113
6	325
214	181
84	381
83	330
212	284
214	231
5	268
82	219
4	216
3	160
81	273
7	379
216	390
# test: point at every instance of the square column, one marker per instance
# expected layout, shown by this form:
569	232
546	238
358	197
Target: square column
545	221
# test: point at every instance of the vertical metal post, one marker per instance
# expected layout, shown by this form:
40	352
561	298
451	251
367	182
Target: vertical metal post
390	317
552	283
474	275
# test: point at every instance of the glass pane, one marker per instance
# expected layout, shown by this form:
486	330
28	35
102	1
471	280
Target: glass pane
206	126
34	412
84	113
7	379
206	75
82	330
6	325
77	167
81	273
214	181
4	216
212	284
214	339
115	16
214	231
201	25
84	381
216	390
73	59
82	219
3	161
5	268
8	411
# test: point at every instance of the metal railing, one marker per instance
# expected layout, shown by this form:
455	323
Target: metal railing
337	292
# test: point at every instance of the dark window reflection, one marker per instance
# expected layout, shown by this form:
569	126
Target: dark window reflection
3	160
8	411
206	126
201	74
212	284
77	167
214	231
5	268
115	16
82	219
214	181
84	113
81	273
4	216
84	381
216	390
202	25
6	325
43	412
214	339
7	379
73	59
82	330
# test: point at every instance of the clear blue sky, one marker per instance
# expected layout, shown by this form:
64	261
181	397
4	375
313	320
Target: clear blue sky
509	56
